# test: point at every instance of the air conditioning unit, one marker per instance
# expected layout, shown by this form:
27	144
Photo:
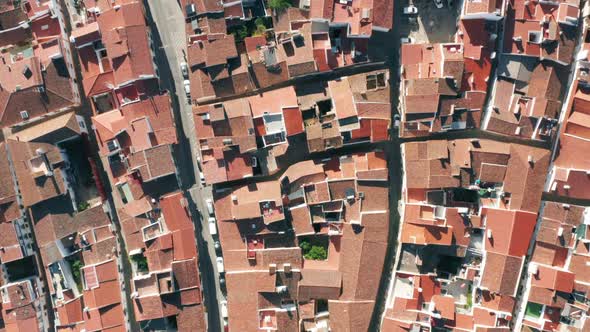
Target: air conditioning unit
361	195
24	115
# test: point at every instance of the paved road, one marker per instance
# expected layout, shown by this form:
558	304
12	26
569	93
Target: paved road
166	21
391	47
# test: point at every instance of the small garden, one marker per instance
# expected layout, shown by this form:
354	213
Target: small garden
140	262
251	28
279	5
76	267
533	310
314	248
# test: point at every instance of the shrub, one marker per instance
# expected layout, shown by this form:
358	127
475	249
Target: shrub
313	251
305	246
76	267
317	253
141	262
83	206
279	4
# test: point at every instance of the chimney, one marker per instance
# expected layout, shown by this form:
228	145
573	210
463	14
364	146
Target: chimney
531	160
272	268
560	232
287	267
489	233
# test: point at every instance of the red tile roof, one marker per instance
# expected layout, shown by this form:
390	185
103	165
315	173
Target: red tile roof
125	37
511	231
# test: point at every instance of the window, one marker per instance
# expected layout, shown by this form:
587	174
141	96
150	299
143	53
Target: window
98	45
348	121
347	136
535	37
112	145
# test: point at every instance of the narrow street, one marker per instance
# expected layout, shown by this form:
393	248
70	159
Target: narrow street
394	163
166	21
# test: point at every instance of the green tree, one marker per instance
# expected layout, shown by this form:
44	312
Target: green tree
317	253
305	246
77	272
260	26
141	262
279	5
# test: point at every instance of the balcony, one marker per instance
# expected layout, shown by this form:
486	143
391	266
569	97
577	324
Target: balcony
252	245
152	231
270	211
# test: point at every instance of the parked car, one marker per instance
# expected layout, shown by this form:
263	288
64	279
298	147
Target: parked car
187	89
220	267
439	3
212	226
202	178
396	121
209	203
410	10
224	309
184	70
217	245
407	40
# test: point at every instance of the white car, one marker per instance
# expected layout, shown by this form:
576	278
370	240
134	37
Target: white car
184	70
224	309
439	4
209	203
410	10
407	40
187	88
202	178
220	268
212	226
396	121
